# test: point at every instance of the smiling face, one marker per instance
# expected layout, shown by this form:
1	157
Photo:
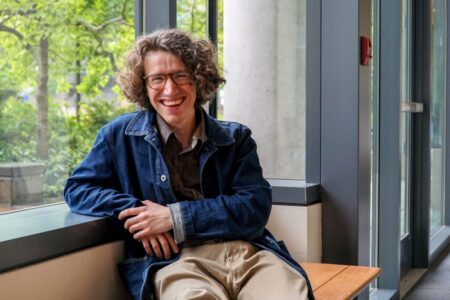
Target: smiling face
174	103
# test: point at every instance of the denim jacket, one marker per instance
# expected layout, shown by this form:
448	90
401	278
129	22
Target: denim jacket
126	166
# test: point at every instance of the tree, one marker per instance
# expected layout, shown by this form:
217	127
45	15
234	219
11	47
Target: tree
191	17
39	38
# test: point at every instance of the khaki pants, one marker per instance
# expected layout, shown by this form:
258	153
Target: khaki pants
229	270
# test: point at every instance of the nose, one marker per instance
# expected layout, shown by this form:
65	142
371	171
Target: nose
170	87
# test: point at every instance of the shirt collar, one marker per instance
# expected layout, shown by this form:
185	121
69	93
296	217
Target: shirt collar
199	132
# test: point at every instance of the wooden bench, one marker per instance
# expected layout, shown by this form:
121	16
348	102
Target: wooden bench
338	282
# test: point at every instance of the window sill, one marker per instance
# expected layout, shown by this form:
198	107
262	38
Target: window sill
41	233
294	192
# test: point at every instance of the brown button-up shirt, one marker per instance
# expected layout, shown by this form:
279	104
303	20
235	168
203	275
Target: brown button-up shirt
183	165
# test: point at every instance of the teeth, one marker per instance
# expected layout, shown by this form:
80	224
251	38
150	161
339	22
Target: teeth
172	102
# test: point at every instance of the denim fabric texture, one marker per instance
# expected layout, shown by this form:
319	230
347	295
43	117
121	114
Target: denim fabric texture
125	166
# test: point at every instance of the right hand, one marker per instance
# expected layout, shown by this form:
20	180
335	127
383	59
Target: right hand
161	245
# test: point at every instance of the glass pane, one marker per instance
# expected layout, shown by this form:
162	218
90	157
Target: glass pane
265	65
374	129
58	61
437	110
405	118
191	16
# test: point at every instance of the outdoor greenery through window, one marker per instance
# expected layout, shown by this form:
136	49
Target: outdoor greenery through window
192	17
58	61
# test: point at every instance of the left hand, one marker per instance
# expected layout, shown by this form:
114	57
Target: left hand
161	245
149	219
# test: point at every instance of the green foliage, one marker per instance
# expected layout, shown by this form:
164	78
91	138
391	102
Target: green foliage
220	34
17	131
191	17
70	140
65	23
86	38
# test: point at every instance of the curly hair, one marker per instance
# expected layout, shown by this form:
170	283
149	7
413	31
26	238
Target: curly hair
198	55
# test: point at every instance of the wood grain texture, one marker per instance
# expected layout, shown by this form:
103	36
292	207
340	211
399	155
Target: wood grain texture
338	282
319	274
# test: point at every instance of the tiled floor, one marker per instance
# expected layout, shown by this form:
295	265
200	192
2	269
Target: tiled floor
435	285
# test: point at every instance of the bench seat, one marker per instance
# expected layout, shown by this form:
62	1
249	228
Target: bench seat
338	282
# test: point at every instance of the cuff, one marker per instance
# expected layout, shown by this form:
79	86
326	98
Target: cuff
188	222
178	224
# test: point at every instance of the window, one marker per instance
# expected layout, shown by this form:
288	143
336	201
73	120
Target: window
192	16
58	61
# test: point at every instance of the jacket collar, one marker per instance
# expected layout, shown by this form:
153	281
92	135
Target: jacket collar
143	124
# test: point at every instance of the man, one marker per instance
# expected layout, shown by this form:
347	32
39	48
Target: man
187	187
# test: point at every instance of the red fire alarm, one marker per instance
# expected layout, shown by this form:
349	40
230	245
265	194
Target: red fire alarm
366	50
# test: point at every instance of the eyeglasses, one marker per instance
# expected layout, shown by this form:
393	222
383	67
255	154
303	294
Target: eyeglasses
158	81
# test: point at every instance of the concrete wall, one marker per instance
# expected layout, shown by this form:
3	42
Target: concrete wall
264	64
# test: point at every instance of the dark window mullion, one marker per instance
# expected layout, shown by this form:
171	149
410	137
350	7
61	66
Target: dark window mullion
211	27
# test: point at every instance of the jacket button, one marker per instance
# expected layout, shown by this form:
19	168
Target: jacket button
163	178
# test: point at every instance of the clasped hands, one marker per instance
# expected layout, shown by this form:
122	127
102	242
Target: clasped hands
151	224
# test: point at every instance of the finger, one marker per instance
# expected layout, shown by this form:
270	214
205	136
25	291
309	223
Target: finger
147	247
130	212
132	221
143	233
164	245
156	248
136	227
147	202
147	230
171	241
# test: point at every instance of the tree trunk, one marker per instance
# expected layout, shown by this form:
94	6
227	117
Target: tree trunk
78	81
42	134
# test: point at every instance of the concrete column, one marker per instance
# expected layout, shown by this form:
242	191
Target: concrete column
264	64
